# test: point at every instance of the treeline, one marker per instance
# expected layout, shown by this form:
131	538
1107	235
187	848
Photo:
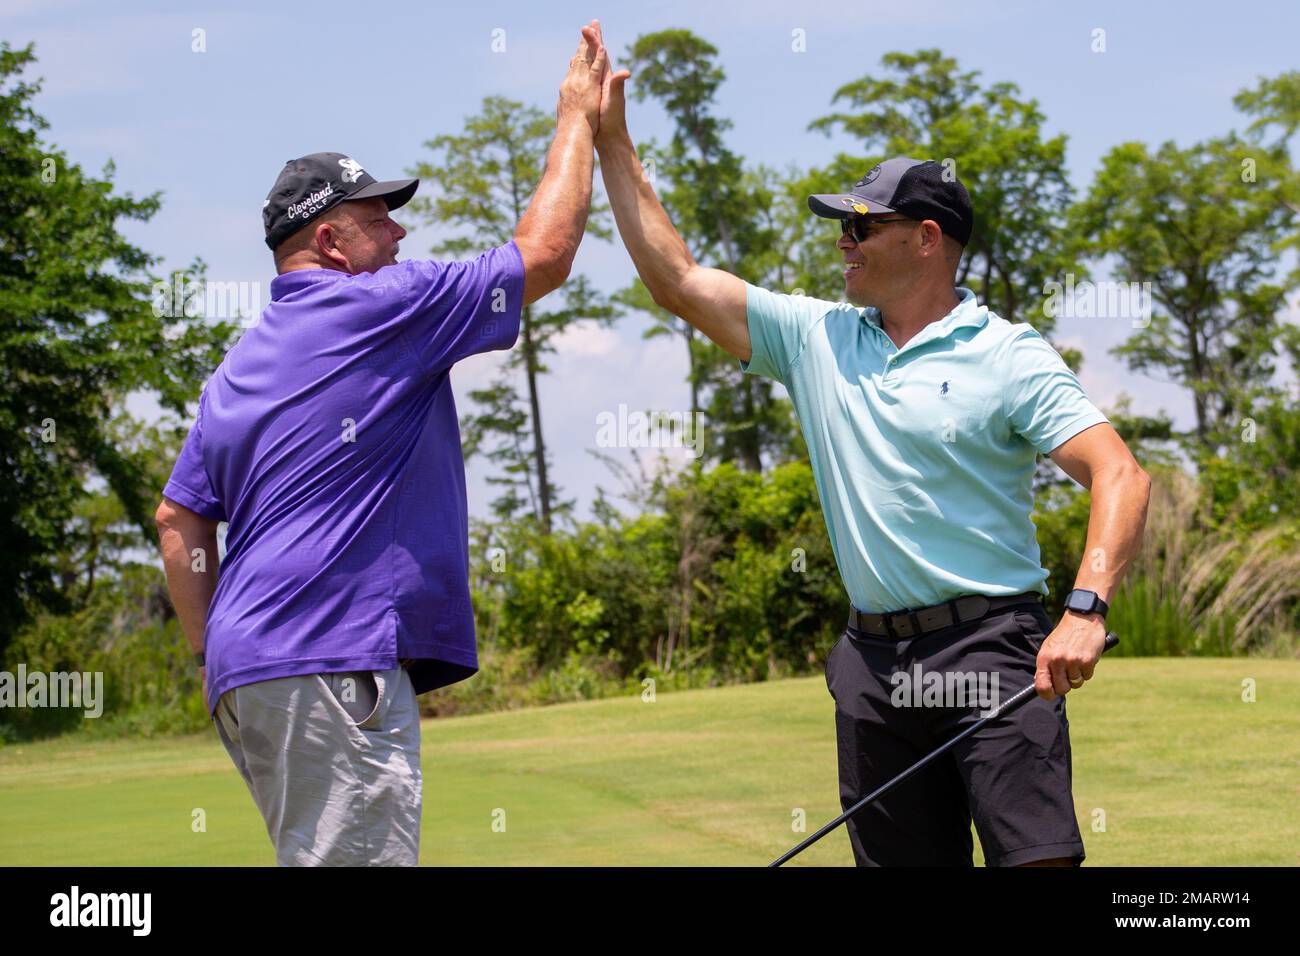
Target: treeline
728	576
722	571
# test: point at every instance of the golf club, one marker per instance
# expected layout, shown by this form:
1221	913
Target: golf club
1006	707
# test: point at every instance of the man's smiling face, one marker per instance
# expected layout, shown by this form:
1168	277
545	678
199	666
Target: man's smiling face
369	236
875	266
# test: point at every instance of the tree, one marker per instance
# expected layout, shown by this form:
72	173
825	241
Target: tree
499	432
1203	225
484	178
720	212
79	334
101	540
1273	102
991	139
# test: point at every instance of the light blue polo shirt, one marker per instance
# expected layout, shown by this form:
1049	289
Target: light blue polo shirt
923	456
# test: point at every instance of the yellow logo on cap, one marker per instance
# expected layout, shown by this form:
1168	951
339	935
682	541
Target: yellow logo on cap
860	208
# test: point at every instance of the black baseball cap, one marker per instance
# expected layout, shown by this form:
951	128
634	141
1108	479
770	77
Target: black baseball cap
915	188
312	184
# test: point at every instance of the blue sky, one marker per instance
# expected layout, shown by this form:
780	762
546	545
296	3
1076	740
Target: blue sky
211	130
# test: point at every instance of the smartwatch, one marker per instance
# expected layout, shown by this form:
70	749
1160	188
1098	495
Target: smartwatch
1082	601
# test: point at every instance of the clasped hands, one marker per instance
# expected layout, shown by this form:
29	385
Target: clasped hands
593	89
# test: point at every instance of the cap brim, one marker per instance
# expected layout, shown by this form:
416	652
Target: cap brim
395	192
843	205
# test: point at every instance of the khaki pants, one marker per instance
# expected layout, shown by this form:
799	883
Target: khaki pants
333	764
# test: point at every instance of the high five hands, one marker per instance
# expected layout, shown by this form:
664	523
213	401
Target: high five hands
593	89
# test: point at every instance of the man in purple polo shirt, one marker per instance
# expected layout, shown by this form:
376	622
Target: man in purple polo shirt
328	440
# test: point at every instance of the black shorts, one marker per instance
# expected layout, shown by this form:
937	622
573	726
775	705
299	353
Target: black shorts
1012	777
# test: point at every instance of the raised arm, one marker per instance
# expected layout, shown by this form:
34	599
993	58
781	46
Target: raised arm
710	299
552	226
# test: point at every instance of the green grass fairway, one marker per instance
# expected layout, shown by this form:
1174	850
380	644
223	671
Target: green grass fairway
1185	771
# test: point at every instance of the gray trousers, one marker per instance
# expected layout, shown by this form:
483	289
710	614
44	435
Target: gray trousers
333	764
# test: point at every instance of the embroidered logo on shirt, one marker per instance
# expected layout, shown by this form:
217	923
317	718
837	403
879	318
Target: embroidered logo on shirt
943	389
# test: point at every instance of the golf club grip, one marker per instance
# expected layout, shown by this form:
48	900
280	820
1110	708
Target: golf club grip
1021	697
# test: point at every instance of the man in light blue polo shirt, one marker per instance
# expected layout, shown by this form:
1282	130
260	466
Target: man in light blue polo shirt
924	454
923	413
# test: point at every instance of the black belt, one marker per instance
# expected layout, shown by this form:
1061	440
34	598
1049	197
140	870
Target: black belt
909	623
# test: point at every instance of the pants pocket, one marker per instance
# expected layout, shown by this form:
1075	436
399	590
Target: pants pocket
359	693
1030	630
829	657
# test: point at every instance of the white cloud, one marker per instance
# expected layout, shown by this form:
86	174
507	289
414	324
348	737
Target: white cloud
586	339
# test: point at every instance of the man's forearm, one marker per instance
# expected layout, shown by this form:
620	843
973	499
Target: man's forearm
1116	520
191	590
557	214
657	250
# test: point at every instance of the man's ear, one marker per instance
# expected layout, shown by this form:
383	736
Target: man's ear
328	235
932	238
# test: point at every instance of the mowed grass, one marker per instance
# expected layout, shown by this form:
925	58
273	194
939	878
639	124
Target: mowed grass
1185	772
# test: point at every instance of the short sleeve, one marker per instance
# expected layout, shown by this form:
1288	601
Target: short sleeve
778	329
1044	401
459	309
189	484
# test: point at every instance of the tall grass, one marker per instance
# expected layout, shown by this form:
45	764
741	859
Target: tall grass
1200	590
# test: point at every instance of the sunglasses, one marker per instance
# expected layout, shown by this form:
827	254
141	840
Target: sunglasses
861	228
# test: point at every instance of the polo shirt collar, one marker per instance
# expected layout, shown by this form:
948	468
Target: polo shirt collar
287	283
967	312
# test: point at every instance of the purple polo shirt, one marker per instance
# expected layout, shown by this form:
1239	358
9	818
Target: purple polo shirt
328	439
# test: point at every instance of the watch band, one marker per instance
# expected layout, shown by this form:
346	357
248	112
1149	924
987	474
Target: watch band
198	659
1096	605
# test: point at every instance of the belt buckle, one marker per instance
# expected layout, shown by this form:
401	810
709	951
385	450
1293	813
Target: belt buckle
911	617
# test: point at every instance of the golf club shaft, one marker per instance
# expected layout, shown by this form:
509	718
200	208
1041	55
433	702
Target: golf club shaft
1006	707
